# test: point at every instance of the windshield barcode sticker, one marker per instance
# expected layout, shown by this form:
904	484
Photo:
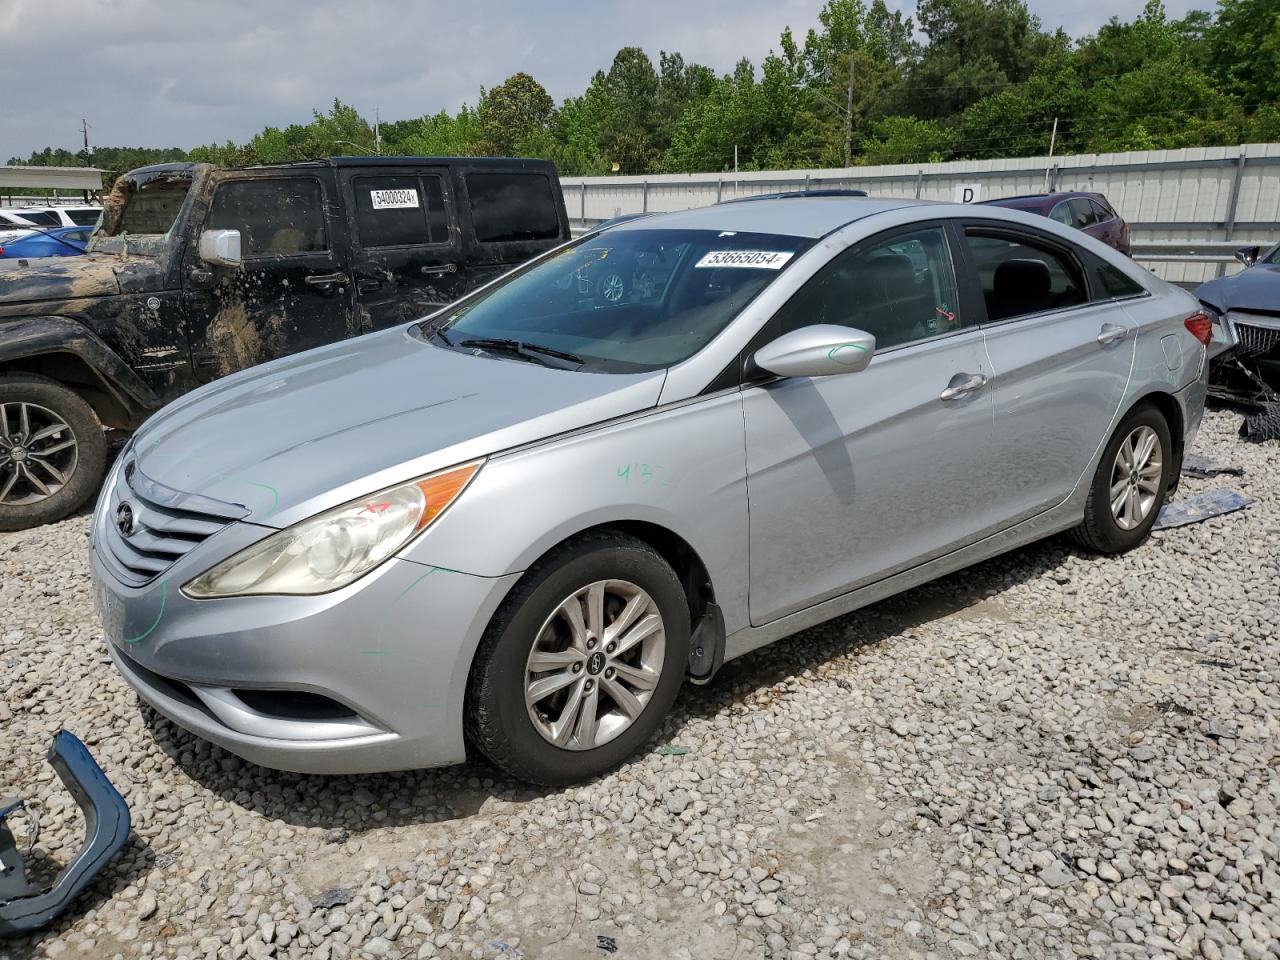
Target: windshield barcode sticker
394	199
751	259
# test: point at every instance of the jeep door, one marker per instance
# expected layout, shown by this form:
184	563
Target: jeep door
291	291
406	249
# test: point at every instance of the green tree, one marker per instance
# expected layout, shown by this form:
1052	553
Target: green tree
515	118
1243	46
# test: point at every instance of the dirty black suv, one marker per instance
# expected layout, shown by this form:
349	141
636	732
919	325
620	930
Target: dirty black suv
195	272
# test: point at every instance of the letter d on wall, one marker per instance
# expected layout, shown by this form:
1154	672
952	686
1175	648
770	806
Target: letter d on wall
967	193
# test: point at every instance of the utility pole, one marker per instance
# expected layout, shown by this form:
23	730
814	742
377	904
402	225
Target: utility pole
848	119
377	133
88	157
1053	139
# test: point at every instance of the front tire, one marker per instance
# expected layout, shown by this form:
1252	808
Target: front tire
52	451
581	663
1130	484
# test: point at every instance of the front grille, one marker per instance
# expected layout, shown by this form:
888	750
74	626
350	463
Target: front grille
149	527
1256	341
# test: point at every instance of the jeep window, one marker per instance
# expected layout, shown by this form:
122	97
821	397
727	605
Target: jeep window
400	210
622	301
276	218
139	215
512	206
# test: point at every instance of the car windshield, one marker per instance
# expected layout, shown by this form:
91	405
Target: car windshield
621	301
139	212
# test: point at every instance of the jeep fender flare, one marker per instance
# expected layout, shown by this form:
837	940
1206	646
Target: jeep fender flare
28	337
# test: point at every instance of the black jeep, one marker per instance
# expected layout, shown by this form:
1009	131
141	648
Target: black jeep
195	272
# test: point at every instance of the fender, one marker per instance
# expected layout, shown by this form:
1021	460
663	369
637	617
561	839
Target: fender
40	336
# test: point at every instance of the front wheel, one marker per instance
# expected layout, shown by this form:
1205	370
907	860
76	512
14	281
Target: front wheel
52	451
581	663
1129	486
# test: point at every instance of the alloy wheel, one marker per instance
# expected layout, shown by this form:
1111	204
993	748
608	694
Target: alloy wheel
38	453
1135	477
594	664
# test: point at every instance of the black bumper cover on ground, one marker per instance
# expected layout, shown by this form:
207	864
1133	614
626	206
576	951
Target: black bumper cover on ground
24	907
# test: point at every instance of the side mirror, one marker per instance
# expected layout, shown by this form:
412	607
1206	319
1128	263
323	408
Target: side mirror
221	248
1248	255
821	350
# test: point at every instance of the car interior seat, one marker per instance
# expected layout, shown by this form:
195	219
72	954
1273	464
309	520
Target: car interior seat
1020	287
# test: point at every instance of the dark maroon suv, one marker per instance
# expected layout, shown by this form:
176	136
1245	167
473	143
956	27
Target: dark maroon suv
1089	212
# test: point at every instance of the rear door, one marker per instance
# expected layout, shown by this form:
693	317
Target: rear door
292	290
509	216
406	252
1061	358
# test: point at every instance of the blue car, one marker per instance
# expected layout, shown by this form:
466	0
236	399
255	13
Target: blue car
54	242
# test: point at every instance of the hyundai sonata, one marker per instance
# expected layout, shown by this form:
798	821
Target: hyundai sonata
519	525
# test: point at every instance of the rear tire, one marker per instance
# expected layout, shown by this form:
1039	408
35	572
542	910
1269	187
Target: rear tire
1130	483
42	479
512	721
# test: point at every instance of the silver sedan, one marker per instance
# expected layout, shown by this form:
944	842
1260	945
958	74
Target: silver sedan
518	526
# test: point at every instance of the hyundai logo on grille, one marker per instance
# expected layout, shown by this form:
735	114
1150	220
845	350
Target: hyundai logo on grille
124	519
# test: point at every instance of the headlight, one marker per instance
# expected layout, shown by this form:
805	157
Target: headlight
336	547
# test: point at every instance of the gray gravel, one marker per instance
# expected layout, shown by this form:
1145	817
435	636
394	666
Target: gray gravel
1049	755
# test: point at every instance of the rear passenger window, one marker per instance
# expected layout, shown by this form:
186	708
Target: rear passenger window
1083	212
41	218
512	206
1111	283
396	211
282	217
1101	211
84	218
1020	276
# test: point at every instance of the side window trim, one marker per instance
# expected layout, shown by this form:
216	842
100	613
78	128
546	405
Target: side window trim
326	251
1021	233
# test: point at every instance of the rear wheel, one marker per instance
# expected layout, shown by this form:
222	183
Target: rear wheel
1129	486
581	663
52	451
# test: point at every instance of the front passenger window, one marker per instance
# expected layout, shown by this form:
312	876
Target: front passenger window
1021	277
276	218
899	290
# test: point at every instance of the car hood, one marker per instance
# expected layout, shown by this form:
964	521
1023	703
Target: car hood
70	278
1257	288
298	435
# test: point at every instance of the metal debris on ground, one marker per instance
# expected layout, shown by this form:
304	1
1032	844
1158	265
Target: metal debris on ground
1201	506
671	750
336	897
607	944
1263	425
1199	466
27	906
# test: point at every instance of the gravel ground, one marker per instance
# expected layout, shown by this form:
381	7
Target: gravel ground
1048	755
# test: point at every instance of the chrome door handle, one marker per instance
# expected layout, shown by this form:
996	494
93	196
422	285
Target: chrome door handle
963	384
1111	333
437	271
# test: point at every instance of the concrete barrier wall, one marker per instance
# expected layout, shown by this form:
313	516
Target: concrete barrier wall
1173	198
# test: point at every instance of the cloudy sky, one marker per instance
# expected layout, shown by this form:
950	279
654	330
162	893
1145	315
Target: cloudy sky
186	72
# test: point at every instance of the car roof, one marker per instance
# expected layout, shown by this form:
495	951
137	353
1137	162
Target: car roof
1034	201
792	216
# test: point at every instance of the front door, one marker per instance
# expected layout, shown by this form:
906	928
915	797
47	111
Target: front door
291	292
854	477
1061	362
406	247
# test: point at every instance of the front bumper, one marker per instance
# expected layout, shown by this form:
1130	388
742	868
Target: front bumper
365	679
